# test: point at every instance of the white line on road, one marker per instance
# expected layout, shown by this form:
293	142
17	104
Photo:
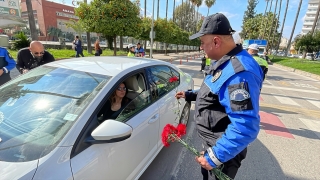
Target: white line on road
268	82
291	89
312	125
286	100
316	103
296	74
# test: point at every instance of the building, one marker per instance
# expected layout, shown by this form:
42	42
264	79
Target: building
283	43
49	14
310	16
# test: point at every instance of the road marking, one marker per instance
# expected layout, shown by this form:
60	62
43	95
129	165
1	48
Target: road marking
286	100
292	89
284	83
300	97
268	82
316	103
296	110
312	125
273	125
260	98
303	85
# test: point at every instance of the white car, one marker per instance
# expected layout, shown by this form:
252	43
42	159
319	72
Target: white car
49	124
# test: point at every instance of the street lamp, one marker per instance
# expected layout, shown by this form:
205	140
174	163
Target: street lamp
152	33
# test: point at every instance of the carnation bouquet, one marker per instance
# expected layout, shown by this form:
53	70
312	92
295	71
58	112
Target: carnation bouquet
172	134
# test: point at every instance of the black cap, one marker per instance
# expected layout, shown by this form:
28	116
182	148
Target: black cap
214	24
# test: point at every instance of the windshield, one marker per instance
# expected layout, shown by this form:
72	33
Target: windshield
38	108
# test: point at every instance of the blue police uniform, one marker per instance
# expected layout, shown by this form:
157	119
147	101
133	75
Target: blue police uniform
7	63
227	109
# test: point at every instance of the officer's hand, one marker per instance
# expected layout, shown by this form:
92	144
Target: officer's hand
180	94
24	71
203	162
1	72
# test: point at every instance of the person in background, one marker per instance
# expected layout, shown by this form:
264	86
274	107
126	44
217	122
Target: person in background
266	57
253	50
131	49
32	57
97	48
78	47
7	63
139	51
206	61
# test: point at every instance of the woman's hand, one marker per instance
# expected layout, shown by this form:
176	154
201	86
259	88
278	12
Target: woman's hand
180	94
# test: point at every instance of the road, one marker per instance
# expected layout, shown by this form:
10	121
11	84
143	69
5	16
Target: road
287	146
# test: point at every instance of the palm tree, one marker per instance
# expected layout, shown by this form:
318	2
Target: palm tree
32	23
264	14
209	4
276	26
167	10
265	26
273	21
145	8
294	28
174	6
158	9
284	20
89	48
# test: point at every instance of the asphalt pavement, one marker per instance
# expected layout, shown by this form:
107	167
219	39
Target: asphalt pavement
287	146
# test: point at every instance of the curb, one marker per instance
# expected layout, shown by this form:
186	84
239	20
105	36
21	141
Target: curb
304	73
195	55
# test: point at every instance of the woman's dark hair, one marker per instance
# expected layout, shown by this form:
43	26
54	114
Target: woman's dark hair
113	96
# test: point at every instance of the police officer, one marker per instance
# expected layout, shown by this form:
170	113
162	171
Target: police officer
253	50
227	103
32	57
7	63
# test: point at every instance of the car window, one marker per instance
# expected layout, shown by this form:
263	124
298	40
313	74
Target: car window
163	79
135	106
38	108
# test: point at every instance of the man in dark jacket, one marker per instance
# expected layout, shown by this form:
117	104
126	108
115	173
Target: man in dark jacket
32	57
78	47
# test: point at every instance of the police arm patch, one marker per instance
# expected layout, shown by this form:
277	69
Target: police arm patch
239	96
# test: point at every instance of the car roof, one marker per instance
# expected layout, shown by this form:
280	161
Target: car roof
105	65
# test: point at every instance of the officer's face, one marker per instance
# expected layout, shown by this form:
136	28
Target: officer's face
210	45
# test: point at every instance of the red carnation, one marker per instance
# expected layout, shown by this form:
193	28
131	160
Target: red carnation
173	79
181	128
166	135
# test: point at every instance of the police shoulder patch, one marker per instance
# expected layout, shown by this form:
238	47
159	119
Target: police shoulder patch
216	75
239	95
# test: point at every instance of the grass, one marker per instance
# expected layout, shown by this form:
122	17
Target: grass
301	64
68	53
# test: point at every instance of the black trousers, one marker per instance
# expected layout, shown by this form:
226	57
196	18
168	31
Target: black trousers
230	167
5	77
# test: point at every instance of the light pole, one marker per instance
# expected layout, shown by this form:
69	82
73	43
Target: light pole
152	33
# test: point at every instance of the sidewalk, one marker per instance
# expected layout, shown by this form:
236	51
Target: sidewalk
173	56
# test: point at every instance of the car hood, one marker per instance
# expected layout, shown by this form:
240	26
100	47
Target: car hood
18	170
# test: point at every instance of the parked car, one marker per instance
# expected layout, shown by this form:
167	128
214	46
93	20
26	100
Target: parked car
310	56
50	126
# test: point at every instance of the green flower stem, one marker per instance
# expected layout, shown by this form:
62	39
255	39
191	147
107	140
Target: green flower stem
216	171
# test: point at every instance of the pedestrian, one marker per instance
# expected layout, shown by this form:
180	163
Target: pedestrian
32	57
266	57
205	62
139	51
227	103
97	48
253	50
131	52
7	63
78	47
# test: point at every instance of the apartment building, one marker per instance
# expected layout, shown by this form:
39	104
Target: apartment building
310	16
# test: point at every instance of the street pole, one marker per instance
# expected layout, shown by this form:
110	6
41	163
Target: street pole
152	33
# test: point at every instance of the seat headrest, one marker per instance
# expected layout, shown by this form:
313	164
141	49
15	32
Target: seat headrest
132	83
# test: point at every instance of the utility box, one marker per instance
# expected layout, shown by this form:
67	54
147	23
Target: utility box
4	41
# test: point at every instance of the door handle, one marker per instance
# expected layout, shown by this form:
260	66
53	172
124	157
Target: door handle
154	118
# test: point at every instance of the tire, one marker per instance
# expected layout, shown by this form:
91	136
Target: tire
185	114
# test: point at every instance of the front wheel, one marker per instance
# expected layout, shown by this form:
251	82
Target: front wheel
185	114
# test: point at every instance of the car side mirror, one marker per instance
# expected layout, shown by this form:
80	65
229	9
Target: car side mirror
111	131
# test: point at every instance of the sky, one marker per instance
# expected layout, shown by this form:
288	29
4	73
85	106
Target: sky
234	11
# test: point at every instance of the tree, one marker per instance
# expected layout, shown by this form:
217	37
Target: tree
183	18
209	4
264	29
174	6
294	27
307	42
284	20
77	26
248	14
32	23
111	18
273	19
89	48
54	32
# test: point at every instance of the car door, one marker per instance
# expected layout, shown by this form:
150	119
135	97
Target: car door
125	159
162	78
